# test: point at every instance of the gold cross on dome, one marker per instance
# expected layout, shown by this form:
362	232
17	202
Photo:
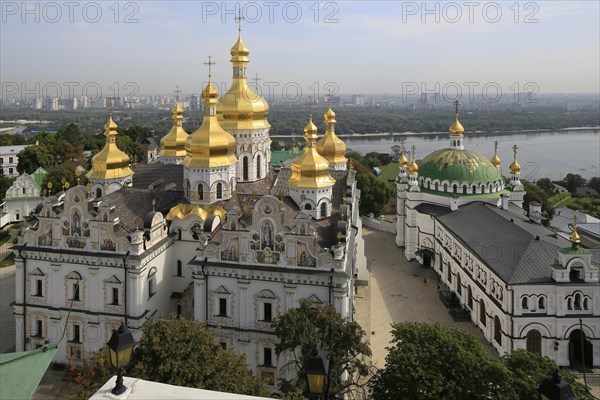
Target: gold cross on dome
239	19
177	92
495	147
515	151
413	151
456	104
210	63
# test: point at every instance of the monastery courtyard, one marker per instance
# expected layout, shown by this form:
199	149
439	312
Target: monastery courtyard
398	291
401	290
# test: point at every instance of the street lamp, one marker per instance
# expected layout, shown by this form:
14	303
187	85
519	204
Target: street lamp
315	369
121	346
554	387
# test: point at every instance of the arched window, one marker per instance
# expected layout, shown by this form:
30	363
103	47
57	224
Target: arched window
458	284
98	193
534	341
179	268
449	274
307	206
219	190
74	286
437	186
445	187
497	331
524	303
323	210
577	301
482	316
569	304
470	297
474	189
464	189
152	282
541	303
258	167
585	304
245	168
454	189
200	192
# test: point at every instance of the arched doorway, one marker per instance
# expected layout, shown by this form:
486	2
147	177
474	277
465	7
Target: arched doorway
580	350
534	341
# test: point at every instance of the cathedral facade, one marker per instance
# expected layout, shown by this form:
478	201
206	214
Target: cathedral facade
209	231
522	285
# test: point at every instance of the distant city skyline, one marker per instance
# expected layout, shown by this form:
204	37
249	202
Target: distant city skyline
135	48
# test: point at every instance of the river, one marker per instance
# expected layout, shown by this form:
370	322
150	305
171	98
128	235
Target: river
550	154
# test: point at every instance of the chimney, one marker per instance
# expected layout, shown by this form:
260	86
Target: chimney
535	212
504	201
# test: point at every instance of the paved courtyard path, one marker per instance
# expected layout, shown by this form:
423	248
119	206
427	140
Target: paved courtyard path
399	291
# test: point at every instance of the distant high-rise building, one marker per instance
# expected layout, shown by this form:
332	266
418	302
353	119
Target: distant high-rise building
195	102
358	100
84	102
38	104
52	103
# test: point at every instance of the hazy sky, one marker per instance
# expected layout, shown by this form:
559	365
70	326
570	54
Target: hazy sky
364	47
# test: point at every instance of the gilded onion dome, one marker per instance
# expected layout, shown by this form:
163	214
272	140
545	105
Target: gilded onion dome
241	107
310	170
495	159
403	161
456	129
110	162
515	168
413	168
330	145
575	238
173	143
210	145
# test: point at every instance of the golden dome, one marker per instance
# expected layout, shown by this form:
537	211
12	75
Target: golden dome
110	162
183	211
403	161
173	143
456	129
329	116
413	168
575	238
210	145
310	170
330	145
495	160
241	107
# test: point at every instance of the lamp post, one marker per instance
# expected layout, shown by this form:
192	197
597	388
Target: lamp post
315	369
121	346
554	387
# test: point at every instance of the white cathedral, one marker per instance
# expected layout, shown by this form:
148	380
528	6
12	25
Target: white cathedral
210	231
519	282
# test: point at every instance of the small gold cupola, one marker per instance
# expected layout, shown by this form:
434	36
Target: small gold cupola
241	107
575	238
173	143
330	145
495	159
110	163
413	168
310	170
403	161
210	145
515	168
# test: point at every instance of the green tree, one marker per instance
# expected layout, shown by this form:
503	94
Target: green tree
428	361
572	182
594	183
374	194
546	185
61	174
534	193
5	183
176	352
275	145
528	370
44	138
181	352
11	140
71	134
33	157
308	326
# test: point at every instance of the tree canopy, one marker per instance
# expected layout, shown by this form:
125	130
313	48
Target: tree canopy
308	326
177	352
374	194
432	362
